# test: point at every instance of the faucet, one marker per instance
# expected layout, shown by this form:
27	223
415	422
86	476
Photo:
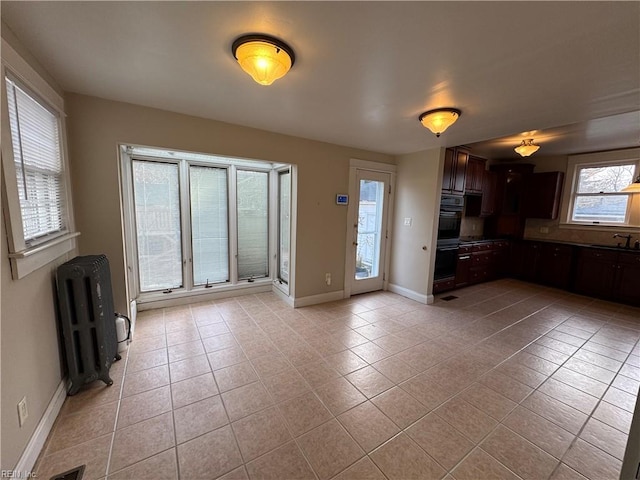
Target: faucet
628	237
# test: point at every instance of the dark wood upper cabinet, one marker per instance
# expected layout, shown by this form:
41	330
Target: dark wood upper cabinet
455	169
474	178
542	194
488	205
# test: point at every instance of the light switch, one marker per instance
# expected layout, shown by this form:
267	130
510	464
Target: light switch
407	221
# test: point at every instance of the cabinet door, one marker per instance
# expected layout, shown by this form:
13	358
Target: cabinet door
449	170
542	195
595	272
461	158
627	285
554	268
489	187
474	177
462	269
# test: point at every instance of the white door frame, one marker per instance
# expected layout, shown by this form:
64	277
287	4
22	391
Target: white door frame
352	219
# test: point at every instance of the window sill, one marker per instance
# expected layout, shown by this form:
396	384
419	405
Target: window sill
600	227
27	261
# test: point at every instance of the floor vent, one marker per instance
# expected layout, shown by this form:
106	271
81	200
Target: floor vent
73	474
448	298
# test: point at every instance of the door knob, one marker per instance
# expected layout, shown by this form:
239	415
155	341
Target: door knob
355	244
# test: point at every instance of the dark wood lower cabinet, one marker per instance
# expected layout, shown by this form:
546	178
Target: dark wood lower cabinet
608	273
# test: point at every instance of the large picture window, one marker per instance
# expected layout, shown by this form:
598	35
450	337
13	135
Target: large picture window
198	221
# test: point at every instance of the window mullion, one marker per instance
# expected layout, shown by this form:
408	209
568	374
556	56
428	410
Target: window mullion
273	224
232	216
185	222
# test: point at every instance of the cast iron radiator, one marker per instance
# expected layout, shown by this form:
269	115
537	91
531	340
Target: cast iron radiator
88	319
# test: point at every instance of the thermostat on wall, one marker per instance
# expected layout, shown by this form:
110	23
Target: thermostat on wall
342	199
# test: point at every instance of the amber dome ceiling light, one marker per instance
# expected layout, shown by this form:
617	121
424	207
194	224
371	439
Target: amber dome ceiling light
527	147
263	57
440	119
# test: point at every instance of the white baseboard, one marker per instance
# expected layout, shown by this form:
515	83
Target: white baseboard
282	296
316	299
405	292
430	299
34	447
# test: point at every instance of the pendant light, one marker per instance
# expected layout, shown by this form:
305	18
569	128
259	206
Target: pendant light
633	187
440	119
527	147
263	57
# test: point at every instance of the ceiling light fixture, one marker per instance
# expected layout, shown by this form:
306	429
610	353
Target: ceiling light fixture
440	119
527	147
633	187
263	57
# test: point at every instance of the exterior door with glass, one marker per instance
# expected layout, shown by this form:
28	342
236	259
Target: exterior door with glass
370	230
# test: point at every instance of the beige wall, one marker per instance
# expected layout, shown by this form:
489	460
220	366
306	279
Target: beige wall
96	126
30	358
418	184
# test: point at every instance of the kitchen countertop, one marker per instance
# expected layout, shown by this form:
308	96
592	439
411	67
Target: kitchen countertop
479	241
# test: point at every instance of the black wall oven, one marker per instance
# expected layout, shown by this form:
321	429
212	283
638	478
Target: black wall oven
450	218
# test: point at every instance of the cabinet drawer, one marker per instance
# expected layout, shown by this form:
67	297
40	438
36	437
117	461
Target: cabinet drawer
481	258
599	254
464	249
482	247
444	285
629	258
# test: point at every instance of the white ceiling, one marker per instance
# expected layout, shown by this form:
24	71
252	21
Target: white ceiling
364	70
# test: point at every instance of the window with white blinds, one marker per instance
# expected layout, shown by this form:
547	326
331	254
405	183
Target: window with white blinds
199	221
35	134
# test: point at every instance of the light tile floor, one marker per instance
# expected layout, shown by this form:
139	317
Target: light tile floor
510	380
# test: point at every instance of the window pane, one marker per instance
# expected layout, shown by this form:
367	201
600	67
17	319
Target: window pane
209	225
157	213
600	208
284	221
369	228
253	224
608	179
37	155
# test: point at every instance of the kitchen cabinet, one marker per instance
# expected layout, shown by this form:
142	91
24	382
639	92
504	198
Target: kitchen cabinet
455	168
542	262
626	286
555	265
542	195
510	185
474	177
462	266
609	273
444	284
488	205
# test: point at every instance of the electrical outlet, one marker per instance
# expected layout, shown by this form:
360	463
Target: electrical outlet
544	229
327	278
23	413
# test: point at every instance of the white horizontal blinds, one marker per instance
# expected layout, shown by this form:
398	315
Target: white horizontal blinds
253	224
284	222
156	192
209	224
35	134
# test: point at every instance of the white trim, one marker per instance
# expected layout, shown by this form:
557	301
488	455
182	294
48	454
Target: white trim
411	294
630	155
36	442
182	298
23	263
30	76
283	296
373	166
316	299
